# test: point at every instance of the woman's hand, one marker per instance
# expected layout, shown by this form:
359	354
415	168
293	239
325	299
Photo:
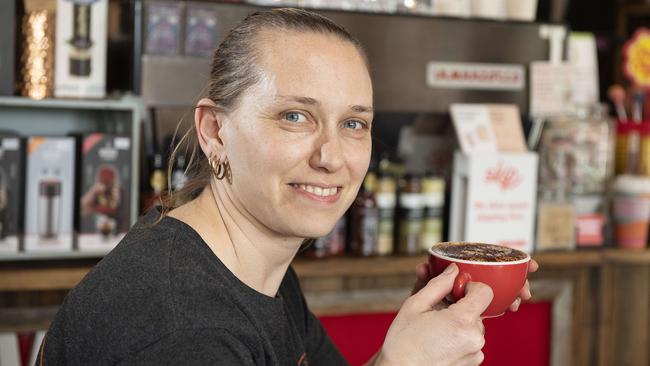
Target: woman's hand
426	332
524	294
423	275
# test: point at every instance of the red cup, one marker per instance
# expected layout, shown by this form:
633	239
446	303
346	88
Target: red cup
505	278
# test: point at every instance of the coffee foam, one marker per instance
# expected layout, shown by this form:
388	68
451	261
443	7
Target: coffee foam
478	252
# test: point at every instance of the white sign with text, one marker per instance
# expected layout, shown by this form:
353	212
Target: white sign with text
480	76
494	199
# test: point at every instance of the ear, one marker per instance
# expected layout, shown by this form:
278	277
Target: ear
208	122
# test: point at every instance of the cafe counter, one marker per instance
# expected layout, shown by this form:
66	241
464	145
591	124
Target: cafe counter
600	299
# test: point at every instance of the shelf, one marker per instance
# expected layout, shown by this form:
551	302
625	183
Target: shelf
49	256
627	256
351	266
124	103
356	266
31	272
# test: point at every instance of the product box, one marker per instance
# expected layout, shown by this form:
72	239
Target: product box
493	199
12	172
80	60
105	194
9	23
50	194
163	27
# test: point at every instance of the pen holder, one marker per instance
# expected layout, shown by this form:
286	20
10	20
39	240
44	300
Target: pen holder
644	148
632	148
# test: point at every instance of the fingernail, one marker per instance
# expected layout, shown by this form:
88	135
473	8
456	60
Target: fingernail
450	268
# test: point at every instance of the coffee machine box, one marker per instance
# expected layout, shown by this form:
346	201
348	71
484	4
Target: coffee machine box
50	194
81	34
105	194
11	193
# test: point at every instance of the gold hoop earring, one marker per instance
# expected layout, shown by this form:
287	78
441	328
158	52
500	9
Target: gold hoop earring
218	168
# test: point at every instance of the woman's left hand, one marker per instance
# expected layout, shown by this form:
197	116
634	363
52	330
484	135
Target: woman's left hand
423	275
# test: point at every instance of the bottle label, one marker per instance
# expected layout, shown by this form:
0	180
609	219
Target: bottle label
385	237
411	200
431	233
369	231
385	200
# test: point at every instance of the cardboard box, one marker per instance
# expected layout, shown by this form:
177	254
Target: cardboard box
104	216
494	197
81	37
50	194
12	170
9	22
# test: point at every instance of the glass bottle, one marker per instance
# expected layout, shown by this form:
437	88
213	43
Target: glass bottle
433	193
365	219
410	214
386	198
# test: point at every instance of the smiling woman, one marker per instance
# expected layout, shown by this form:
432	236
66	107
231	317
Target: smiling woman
279	148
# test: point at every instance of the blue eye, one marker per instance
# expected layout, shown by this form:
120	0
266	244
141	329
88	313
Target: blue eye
295	117
354	124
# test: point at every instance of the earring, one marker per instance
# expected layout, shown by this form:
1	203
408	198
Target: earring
218	168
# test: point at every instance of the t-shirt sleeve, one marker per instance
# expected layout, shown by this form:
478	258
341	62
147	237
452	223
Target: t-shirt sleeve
320	348
194	347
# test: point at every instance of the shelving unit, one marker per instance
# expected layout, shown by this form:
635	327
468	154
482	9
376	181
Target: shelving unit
62	117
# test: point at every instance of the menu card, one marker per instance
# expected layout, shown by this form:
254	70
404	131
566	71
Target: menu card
488	128
550	88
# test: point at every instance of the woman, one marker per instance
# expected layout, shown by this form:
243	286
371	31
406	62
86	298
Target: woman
281	145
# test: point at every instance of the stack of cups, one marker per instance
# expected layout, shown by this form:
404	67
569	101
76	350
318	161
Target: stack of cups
631	211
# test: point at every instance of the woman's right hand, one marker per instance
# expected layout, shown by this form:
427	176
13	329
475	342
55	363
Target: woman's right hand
427	332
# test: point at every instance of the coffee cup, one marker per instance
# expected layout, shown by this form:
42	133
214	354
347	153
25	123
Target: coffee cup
631	211
503	269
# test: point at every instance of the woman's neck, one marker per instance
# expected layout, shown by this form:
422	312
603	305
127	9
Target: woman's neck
251	251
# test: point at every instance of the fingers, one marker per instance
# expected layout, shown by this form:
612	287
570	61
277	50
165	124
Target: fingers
422	276
477	298
434	291
515	305
422	272
533	266
525	294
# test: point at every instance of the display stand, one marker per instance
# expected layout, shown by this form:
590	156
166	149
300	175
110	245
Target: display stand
494	199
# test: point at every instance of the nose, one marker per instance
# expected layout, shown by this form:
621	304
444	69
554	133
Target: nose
328	153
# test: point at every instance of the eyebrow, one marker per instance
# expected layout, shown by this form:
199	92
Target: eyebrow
314	102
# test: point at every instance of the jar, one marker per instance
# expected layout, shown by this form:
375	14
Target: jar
576	150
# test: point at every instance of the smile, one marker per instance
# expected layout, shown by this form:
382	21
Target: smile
316	190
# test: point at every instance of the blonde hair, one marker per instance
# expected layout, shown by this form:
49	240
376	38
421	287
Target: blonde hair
233	71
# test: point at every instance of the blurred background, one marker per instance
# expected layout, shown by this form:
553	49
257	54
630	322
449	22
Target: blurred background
518	122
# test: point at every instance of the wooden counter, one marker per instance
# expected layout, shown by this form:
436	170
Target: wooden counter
601	297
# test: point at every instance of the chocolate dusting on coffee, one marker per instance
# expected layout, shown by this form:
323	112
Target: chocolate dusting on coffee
479	252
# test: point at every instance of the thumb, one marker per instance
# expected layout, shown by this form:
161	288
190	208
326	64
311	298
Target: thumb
435	290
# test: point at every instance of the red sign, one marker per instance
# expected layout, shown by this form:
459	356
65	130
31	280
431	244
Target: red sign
506	177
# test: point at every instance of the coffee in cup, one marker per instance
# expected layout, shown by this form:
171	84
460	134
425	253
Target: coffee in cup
503	269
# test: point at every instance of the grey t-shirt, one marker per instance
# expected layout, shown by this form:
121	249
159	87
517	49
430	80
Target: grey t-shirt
162	297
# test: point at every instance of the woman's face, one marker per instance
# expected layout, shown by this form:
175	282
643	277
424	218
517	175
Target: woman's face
299	142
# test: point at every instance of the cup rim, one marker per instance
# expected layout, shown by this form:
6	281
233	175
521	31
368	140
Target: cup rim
465	261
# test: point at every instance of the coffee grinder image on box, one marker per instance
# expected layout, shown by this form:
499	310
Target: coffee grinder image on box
49	195
102	201
11	193
105	196
4	204
49	204
81	43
